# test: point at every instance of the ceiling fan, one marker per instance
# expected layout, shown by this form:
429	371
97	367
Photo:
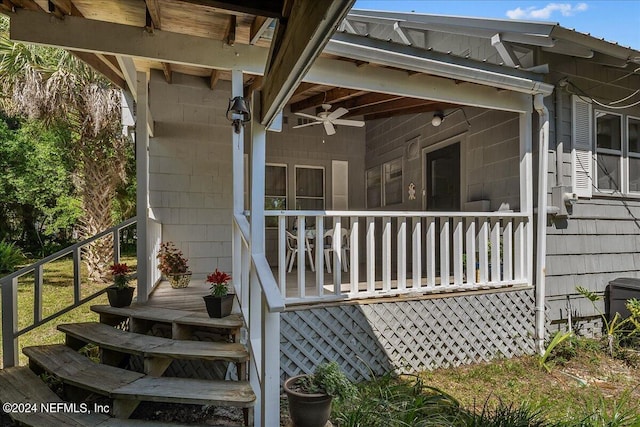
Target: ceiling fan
329	119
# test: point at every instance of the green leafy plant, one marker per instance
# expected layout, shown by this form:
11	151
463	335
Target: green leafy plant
171	259
10	257
120	274
329	379
219	281
558	338
614	327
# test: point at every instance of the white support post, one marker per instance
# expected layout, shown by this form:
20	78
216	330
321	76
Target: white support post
237	150
386	253
319	242
431	252
402	253
264	327
526	192
282	255
416	251
142	186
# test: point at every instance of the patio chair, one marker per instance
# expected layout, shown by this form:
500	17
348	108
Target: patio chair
292	251
328	248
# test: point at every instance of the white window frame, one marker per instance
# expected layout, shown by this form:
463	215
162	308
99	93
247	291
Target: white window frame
295	185
384	181
366	184
623	184
635	155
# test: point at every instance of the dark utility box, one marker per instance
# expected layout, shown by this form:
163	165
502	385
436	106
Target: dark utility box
618	292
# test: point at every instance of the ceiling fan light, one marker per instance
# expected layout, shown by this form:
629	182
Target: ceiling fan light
437	119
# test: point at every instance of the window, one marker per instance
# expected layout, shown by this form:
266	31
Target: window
393	182
374	188
309	188
384	184
633	135
608	151
275	191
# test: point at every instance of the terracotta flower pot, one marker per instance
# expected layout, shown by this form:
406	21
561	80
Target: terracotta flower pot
218	307
120	297
307	409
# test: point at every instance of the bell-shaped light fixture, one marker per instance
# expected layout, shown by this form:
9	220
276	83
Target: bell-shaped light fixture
238	113
437	119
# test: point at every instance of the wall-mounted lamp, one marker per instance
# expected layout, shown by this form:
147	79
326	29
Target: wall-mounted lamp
238	107
439	116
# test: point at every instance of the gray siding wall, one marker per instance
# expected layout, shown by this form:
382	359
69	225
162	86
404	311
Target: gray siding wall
490	158
601	240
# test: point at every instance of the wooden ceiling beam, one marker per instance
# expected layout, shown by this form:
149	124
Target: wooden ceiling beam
334	95
166	69
255	83
304	87
367	100
398	104
28	4
153	9
436	106
67	7
267	8
258	27
97	64
213	79
231	31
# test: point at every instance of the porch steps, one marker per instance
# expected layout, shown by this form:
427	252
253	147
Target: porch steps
158	353
20	385
141	318
128	389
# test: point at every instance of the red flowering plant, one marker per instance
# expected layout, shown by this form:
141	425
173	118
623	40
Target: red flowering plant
171	260
219	281
120	274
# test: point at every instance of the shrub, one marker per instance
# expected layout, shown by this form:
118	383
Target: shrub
10	257
171	259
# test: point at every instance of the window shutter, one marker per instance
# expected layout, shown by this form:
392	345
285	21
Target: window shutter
582	147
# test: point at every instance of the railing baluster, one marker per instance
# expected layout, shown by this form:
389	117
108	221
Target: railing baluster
471	250
416	253
337	255
457	251
282	255
319	245
354	255
76	275
495	250
116	246
483	249
507	249
444	252
519	250
9	322
371	254
386	253
431	252
302	252
402	253
37	293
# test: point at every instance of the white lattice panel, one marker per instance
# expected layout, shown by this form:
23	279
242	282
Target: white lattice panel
408	336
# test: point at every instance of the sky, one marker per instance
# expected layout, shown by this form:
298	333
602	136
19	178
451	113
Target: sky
614	20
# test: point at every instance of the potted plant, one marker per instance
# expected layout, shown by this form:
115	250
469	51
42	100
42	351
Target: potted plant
173	265
310	396
120	293
219	302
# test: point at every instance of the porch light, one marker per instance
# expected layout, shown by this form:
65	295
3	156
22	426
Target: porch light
238	107
437	119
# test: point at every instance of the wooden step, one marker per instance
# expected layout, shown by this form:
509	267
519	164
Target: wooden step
20	385
181	320
129	388
158	352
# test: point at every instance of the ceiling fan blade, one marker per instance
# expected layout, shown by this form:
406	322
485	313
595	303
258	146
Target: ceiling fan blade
341	122
339	112
308	116
328	127
306	124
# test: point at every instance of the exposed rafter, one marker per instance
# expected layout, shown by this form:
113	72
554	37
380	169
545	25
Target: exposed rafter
390	106
366	100
153	9
304	87
231	31
95	62
505	51
436	106
267	8
255	83
67	7
329	97
213	79
258	27
168	74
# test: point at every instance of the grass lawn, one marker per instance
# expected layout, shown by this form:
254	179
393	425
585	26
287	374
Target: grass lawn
57	293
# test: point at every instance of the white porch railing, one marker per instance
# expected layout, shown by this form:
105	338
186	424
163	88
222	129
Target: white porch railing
393	253
260	304
10	329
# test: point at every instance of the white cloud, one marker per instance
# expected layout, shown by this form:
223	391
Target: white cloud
565	9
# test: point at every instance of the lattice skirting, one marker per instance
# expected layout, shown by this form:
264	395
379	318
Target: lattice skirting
408	336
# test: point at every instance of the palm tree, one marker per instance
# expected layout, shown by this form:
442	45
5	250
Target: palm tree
55	86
